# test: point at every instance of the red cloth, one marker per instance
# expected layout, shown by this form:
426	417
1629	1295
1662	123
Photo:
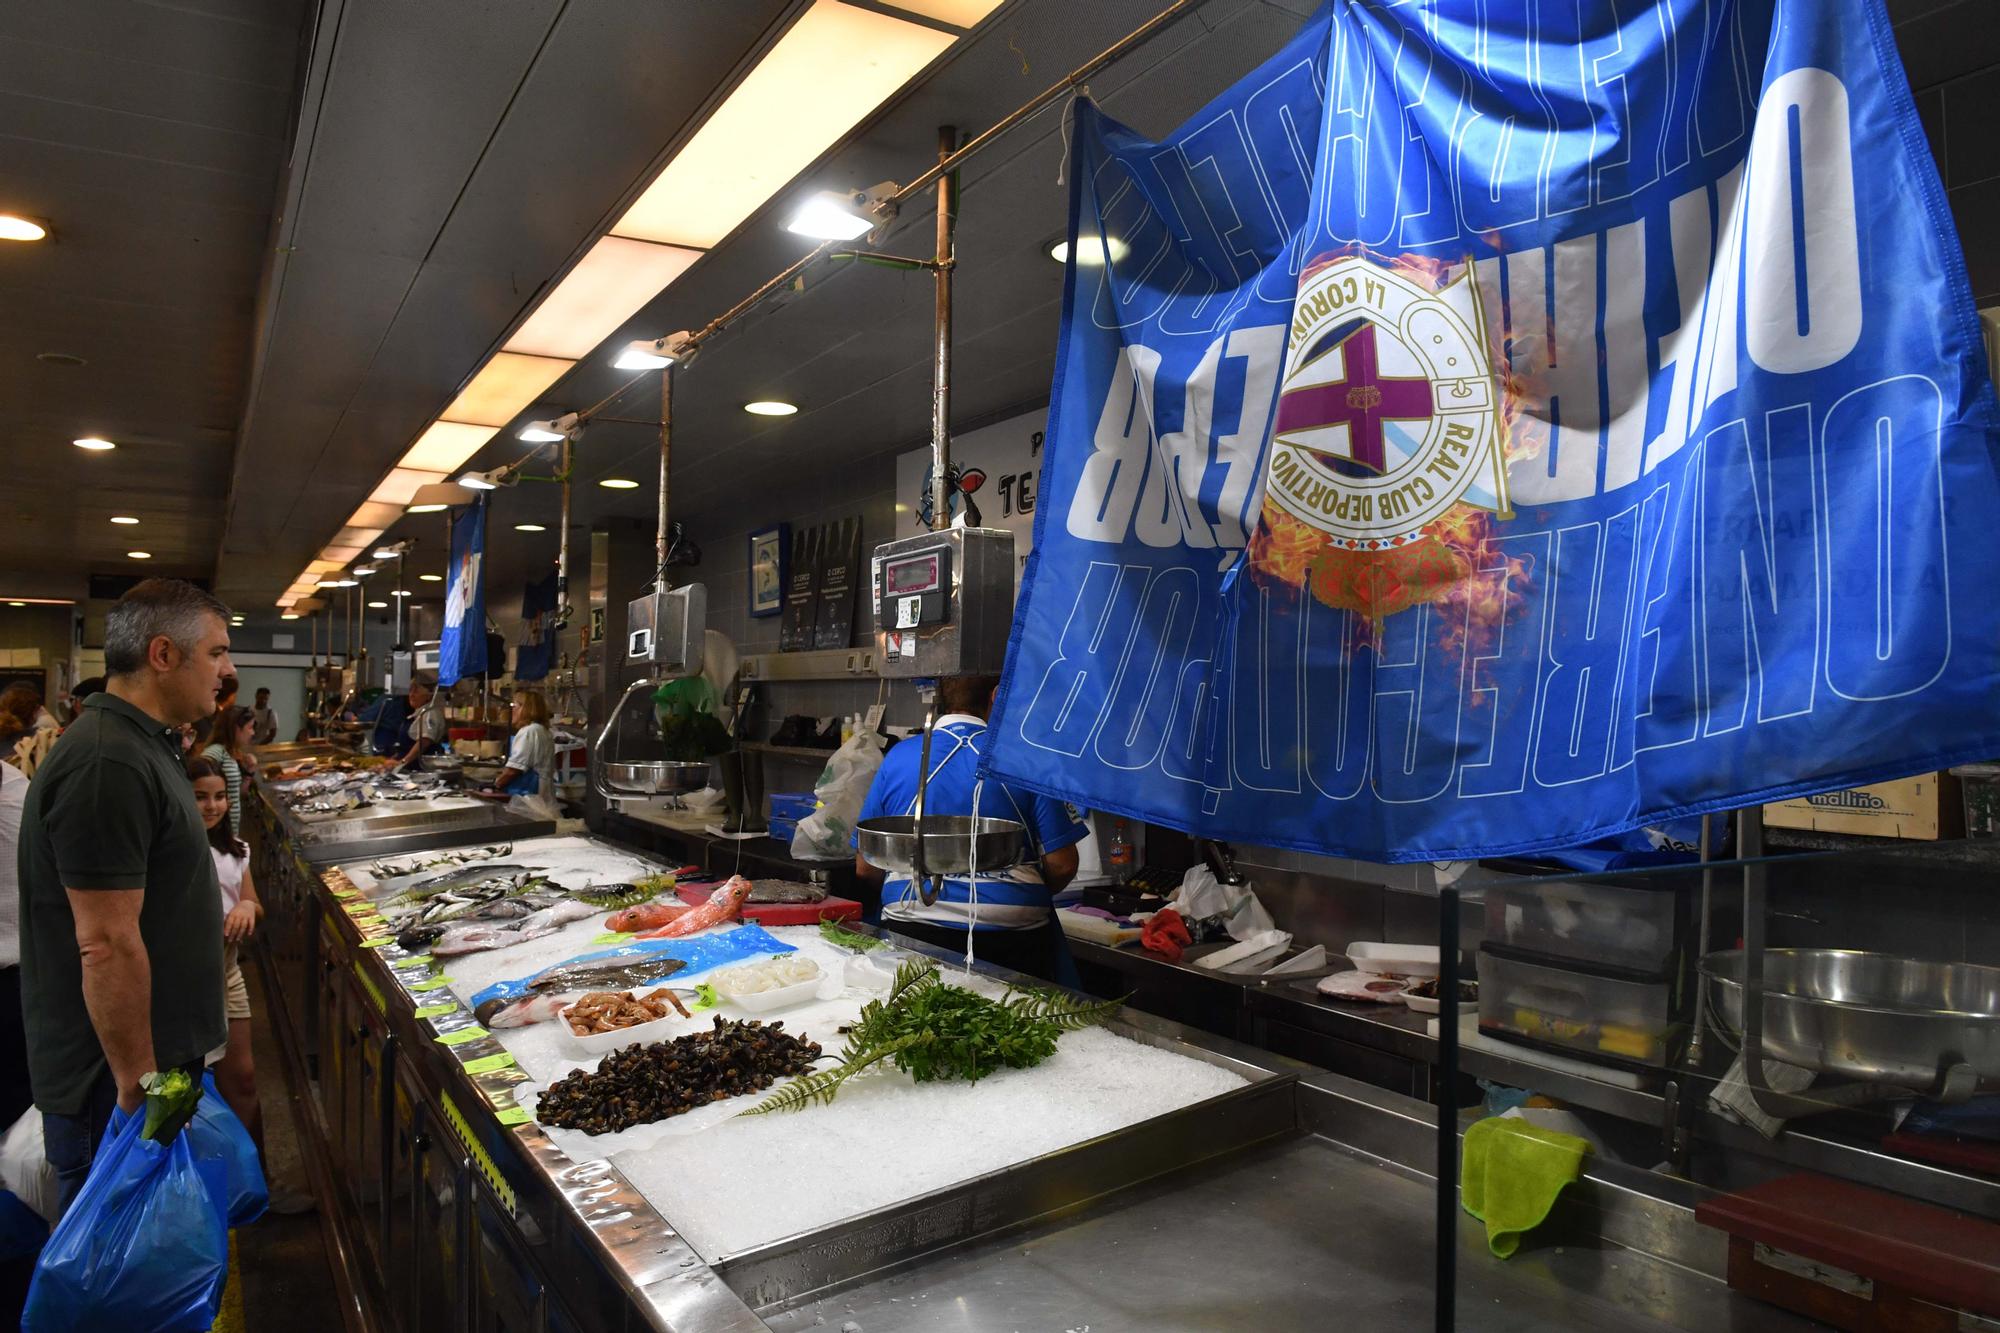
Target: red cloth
1165	934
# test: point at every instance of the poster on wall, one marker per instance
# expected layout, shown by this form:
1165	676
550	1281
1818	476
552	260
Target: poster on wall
462	649
840	575
795	631
999	469
1590	428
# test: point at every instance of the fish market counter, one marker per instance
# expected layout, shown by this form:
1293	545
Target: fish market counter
1009	1200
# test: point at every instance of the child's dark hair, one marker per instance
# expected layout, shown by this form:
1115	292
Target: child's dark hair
219	837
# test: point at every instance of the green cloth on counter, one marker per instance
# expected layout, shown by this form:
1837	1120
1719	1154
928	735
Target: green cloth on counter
1511	1174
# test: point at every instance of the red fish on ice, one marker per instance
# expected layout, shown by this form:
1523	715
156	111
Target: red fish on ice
725	905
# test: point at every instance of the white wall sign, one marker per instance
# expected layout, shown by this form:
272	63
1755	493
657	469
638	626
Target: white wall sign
1004	464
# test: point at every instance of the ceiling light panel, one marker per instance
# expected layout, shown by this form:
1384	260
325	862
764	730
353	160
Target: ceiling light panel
402	483
446	445
503	386
605	289
958	13
822	78
354	536
375	514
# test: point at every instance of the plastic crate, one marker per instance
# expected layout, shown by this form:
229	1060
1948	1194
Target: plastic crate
1608	926
1594	1017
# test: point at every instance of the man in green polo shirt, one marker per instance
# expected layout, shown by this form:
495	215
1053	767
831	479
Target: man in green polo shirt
121	919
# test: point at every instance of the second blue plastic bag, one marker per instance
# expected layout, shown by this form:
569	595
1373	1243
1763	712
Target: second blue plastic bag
144	1245
219	1136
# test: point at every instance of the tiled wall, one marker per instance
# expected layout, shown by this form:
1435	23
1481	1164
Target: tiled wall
1951	51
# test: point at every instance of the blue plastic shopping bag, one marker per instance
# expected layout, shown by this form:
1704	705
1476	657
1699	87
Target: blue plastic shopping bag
144	1245
217	1135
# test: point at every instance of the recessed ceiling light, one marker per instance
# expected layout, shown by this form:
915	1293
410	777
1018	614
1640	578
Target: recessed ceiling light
619	484
60	359
401	592
138	555
1092	253
770	407
529	527
17	603
431	578
14	227
377	606
289	615
125	519
95	443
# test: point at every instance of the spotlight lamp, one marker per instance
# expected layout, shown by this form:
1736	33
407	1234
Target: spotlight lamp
846	215
654	353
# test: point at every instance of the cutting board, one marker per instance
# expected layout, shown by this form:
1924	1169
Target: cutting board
830	908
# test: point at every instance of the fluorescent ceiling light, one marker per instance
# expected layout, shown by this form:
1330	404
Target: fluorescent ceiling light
402	592
138	555
503	386
822	78
17	603
94	443
14	227
529	527
374	514
289	615
619	484
431	578
353	536
1090	252
770	407
606	288
378	606
125	520
827	217
321	567
959	13
402	483
446	445
342	556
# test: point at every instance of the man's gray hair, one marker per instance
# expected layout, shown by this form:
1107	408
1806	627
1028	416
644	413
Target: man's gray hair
173	607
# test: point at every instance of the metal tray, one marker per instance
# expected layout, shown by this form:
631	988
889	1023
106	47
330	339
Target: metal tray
661	778
890	842
1867	1016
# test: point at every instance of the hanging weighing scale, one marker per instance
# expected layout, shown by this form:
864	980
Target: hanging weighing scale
944	604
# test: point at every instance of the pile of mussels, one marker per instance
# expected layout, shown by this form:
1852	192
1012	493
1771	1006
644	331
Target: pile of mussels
641	1084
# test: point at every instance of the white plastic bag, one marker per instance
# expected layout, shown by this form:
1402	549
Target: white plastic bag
25	1169
1201	896
825	834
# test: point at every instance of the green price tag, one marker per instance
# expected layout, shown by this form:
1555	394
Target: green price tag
418	960
345	893
488	1064
613	937
429	984
436	1010
513	1115
356	907
377	941
462	1036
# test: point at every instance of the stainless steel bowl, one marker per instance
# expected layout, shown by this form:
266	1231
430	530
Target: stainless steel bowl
441	763
1868	1016
890	842
661	778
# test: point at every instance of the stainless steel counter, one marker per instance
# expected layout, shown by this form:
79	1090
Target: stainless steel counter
1291	1202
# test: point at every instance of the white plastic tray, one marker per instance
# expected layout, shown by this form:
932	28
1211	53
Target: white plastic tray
1396	960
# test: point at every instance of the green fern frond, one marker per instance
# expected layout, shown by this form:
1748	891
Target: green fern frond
822	1086
912	977
1066	1012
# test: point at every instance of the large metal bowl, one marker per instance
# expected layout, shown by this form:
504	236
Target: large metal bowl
1868	1016
662	778
890	842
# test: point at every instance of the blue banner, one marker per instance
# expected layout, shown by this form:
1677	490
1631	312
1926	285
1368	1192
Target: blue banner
1490	428
535	655
462	647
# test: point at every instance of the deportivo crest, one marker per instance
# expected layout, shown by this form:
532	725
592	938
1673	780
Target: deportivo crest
1387	415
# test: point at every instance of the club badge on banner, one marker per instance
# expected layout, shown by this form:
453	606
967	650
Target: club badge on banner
462	648
1477	436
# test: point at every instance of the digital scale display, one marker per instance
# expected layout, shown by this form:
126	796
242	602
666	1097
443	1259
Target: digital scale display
916	575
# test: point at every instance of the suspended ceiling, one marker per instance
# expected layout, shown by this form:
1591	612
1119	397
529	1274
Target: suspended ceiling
267	331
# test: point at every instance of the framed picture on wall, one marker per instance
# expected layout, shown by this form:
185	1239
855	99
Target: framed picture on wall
767	569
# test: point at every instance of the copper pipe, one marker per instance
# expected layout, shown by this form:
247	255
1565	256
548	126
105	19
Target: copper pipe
666	441
941	350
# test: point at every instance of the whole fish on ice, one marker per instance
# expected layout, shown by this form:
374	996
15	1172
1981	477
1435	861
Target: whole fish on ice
725	905
476	936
